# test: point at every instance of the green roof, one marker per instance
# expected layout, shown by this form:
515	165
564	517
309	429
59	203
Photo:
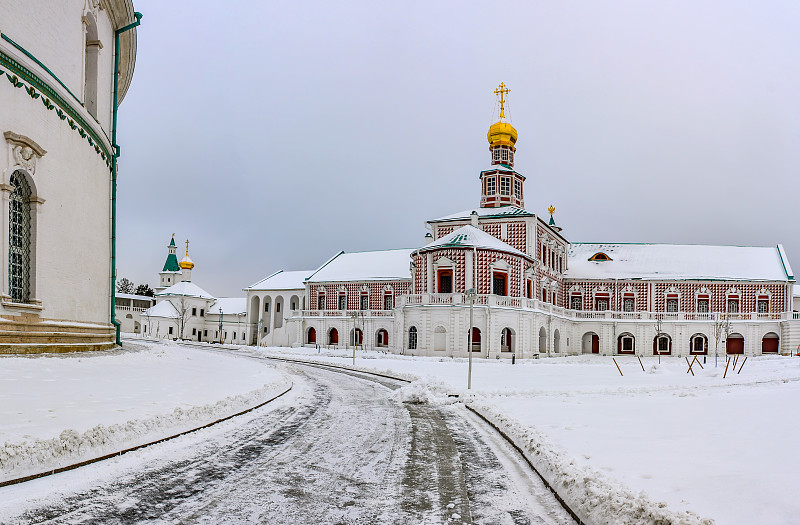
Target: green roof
172	242
171	265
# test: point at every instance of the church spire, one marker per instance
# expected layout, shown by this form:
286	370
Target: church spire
171	264
501	185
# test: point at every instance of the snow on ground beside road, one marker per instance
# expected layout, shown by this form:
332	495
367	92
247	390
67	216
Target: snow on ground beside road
60	409
720	447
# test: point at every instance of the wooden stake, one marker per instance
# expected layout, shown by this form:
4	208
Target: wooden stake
615	362
699	363
727	362
740	368
735	360
640	363
690	366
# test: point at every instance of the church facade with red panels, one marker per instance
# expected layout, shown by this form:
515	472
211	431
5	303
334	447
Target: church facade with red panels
531	292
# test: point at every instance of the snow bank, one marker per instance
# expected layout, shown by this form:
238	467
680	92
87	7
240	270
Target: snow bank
40	455
592	495
426	391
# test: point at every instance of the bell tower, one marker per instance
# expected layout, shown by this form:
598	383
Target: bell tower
500	184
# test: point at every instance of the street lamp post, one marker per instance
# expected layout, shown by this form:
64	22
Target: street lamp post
355	336
471	294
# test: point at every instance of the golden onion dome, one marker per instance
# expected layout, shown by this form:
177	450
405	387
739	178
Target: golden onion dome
186	263
502	134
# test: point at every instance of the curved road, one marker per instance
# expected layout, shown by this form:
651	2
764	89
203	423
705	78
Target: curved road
337	449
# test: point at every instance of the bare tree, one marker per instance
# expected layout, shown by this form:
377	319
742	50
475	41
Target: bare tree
722	329
184	311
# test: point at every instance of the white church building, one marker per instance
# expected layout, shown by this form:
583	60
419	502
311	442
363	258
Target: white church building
65	66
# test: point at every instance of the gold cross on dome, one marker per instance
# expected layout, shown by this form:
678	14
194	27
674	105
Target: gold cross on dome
187	247
502	91
551	209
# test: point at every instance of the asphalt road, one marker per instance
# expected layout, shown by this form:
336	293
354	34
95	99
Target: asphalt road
337	450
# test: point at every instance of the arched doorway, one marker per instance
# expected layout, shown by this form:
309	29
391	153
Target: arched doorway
734	344
698	344
590	344
476	339
382	338
770	343
333	336
440	339
662	345
507	340
356	337
542	340
626	344
311	338
136	327
556	341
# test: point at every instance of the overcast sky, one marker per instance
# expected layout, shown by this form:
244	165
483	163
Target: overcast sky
274	134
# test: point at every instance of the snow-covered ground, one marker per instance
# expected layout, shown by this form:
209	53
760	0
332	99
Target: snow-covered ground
722	448
59	409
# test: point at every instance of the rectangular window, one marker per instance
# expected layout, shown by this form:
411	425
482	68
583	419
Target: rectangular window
194	331
170	330
627	344
499	284
490	186
733	306
342	302
234	336
763	306
672	305
205	333
518	188
505	186
320	302
702	305
194	311
445	281
202	312
266	307
628	304
277	307
577	302
602	304
388	301
504	154
663	344
496	154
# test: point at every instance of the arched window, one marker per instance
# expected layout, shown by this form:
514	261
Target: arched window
93	47
19	233
412	338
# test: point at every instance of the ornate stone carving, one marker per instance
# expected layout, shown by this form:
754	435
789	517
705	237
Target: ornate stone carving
25	152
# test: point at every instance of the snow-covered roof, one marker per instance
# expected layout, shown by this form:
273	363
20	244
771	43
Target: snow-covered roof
383	265
282	280
678	261
187	289
134	296
502	211
229	305
501	167
162	309
469	236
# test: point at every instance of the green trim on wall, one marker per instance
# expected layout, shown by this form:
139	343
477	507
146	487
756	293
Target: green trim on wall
18	75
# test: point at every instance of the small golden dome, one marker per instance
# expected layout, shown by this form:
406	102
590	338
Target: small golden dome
502	134
186	263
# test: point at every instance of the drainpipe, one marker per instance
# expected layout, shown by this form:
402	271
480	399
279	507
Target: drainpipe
115	154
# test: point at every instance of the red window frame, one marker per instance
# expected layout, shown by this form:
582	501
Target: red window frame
444	272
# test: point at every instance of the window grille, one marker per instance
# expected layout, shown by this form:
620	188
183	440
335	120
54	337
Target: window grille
602	305
496	154
490	186
342	302
733	306
505	186
19	248
577	302
702	305
499	285
446	283
388	301
517	188
763	306
663	344
321	302
364	301
628	304
672	305
412	338
504	154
